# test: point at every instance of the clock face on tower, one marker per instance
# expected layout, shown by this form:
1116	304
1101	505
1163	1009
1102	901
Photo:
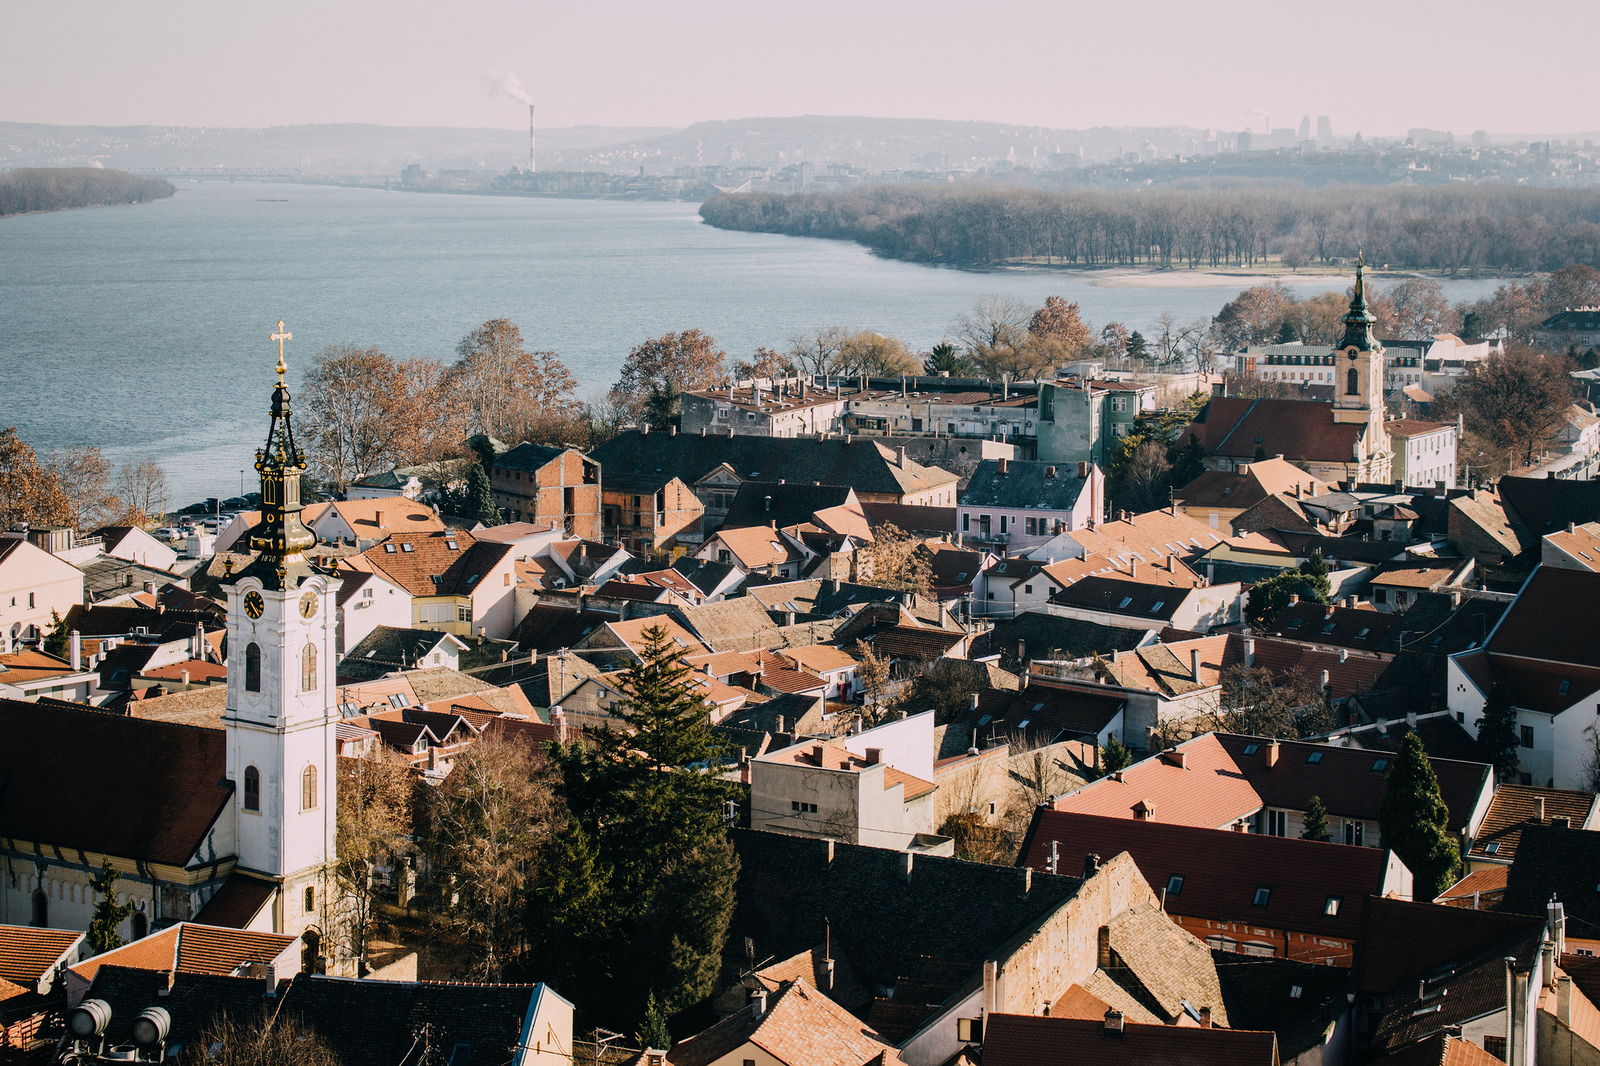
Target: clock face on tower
308	605
254	604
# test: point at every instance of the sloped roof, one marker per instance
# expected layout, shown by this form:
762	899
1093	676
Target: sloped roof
1299	1001
757	547
800	1027
528	457
1440	1050
27	953
1349	781
810	966
1515	807
881	921
377	518
1299	430
1559	863
1045	711
1544	505
1551	619
1025	485
189	947
1248	486
1036	635
1342	627
912	518
1207	790
631	633
1401	939
785	502
141	789
396	647
1147	537
739	624
414	561
1473	985
195	1001
549	626
1582	544
1171	965
1122	597
1223	871
1029	1040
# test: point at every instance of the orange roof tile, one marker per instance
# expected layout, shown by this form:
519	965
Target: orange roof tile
1207	790
1148	537
820	658
756	547
27	953
1517	806
26	665
631	633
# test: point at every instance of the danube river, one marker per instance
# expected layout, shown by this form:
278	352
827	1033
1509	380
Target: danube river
143	329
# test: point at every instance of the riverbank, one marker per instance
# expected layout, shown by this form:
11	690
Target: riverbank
36	189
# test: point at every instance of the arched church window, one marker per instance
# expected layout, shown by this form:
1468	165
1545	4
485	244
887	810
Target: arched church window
252	789
308	669
141	925
1352	383
308	789
41	908
252	668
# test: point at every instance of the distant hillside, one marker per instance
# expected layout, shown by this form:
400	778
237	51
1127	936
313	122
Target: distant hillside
56	188
346	150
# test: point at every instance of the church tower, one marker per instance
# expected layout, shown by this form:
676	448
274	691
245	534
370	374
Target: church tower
279	721
1358	386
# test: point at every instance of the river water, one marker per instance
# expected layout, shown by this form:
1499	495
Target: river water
143	329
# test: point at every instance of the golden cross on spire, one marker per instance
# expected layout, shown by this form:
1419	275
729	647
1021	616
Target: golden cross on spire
281	336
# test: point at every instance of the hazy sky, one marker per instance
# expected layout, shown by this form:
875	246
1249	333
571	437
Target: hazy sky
1376	68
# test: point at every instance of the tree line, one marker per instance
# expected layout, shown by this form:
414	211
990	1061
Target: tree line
1465	230
77	486
56	188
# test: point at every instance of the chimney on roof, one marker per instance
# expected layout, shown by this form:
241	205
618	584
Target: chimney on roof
1091	862
1177	758
758	1002
1541	808
1049	471
906	861
75	651
1556	918
672	431
1294	599
1000	466
1194	665
1249	651
816	753
1083	470
1113	1026
1205	1017
1133	568
1324	683
874	756
1027	880
1560	821
1344	654
900	457
1273	750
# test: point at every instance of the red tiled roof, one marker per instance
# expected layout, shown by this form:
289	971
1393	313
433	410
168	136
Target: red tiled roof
237	902
1485	886
1223	871
140	789
27	953
1516	806
1208	791
1400	939
801	1027
1296	429
1551	619
1349	781
1030	1040
189	947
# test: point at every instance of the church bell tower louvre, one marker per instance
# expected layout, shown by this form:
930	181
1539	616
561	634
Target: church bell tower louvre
280	722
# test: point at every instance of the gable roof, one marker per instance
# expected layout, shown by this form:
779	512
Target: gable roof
759	502
28	953
757	547
1298	430
436	564
529	457
912	518
739	624
1349	781
398	648
1035	634
1207	790
1030	1040
1025	485
1560	863
799	1027
1124	598
1544	505
1248	485
1218	874
1550	619
141	789
1401	939
1474	984
191	948
1147	537
1342	627
1515	807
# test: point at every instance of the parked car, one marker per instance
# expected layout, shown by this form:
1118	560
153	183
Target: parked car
169	533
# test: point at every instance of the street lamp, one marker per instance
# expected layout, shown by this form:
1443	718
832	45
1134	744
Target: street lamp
241	482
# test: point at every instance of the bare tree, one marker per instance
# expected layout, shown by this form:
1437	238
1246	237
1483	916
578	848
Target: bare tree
141	489
264	1040
817	351
84	474
503	386
895	559
993	332
374	825
488	819
659	371
872	353
872	670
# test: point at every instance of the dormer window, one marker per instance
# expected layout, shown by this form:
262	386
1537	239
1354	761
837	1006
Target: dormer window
1251	749
1330	909
1174	884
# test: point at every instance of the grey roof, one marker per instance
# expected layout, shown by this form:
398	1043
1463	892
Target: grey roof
387	479
862	464
528	457
1132	599
1024	485
106	575
1036	635
760	502
703	574
1585	320
392	647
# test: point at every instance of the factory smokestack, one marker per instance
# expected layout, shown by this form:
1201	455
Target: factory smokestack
531	167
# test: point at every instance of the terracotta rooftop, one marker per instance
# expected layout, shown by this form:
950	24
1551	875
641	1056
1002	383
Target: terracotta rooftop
1401	940
1581	543
799	1027
1440	1050
1551	619
1484	888
757	547
631	632
820	658
28	953
1147	537
1249	485
1515	807
1247	878
191	948
1241	427
1207	790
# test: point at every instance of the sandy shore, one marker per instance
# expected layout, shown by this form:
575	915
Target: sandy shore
1205	279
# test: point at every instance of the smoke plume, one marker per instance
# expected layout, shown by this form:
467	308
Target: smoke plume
510	85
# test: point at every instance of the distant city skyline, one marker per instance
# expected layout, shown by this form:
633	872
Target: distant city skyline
1458	66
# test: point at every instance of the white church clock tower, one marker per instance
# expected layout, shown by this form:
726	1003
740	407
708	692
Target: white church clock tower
1358	388
280	718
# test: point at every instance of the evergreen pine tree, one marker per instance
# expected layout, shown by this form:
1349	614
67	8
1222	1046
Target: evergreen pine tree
480	498
1413	820
59	642
653	1032
1497	731
108	913
1118	756
1287	334
1316	823
1189	462
1137	345
651	802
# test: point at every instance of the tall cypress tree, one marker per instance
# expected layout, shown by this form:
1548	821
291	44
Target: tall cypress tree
1414	821
1497	731
652	803
480	498
1316	822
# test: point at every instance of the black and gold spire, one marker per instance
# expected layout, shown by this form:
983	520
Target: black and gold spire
281	539
1358	321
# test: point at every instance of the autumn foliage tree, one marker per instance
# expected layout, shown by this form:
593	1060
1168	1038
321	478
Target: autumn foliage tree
374	825
658	372
362	412
84	474
505	390
29	492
